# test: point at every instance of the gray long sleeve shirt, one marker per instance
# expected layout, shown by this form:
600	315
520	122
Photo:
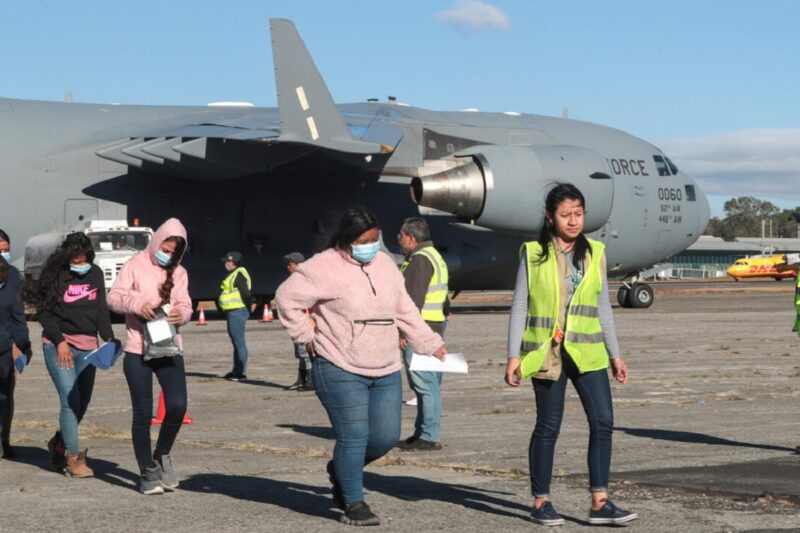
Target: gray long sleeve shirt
519	313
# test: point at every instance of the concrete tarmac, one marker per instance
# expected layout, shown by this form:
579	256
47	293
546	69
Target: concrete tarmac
704	441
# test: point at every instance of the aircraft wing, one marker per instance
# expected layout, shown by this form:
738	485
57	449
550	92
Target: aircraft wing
249	141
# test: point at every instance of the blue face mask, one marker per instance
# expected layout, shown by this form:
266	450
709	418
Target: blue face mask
364	253
6	256
81	269
164	259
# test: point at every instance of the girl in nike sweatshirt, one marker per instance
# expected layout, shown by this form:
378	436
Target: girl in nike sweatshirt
153	280
70	300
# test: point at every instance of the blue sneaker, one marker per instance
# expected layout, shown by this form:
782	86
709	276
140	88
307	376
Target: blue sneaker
611	514
547	515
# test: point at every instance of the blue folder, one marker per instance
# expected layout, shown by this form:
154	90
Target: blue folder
20	363
105	356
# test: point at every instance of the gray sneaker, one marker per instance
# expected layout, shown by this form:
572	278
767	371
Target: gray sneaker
169	479
151	481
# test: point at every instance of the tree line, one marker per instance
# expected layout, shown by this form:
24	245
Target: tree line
744	215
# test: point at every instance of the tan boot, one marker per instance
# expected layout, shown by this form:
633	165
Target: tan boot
76	465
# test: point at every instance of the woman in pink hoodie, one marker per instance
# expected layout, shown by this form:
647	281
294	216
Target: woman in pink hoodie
356	301
147	284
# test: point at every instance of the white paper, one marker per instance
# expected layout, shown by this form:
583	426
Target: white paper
159	330
453	362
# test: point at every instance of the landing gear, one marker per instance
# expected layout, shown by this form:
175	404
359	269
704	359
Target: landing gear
622	296
636	296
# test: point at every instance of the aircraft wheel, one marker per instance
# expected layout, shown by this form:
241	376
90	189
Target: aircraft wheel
622	296
640	296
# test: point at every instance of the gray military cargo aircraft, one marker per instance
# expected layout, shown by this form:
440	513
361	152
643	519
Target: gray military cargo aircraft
269	181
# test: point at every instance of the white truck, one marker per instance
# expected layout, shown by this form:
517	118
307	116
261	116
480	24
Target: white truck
114	242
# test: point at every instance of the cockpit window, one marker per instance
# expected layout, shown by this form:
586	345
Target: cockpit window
672	166
691	195
661	166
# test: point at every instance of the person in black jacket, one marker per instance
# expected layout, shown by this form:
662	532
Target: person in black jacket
70	300
14	283
13	330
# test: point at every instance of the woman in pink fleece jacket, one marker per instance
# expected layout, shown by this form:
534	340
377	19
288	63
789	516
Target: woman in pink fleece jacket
356	301
150	280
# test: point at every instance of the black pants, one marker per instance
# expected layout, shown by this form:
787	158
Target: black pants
172	377
6	393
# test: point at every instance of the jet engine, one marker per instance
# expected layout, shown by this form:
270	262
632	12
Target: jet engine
504	187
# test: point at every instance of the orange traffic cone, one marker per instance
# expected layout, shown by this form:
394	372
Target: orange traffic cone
267	316
201	319
162	411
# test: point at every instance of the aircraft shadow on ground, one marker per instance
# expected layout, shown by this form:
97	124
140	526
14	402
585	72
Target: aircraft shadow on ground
313	431
410	488
258	382
298	497
696	438
106	471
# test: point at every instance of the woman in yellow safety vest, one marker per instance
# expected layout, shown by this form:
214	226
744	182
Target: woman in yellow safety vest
561	327
235	303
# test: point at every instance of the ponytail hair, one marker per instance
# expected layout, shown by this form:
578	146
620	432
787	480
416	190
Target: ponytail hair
559	193
165	290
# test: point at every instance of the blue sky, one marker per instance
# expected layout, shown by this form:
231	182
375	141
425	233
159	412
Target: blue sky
713	84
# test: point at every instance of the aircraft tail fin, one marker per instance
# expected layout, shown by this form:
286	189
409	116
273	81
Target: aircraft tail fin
308	113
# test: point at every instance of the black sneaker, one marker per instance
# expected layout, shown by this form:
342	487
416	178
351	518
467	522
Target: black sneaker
338	495
611	514
546	515
405	442
359	514
421	445
229	376
235	376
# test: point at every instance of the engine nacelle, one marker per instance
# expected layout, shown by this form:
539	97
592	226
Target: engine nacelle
504	187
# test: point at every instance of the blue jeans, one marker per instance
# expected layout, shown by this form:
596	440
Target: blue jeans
595	394
365	415
237	319
74	386
426	385
171	376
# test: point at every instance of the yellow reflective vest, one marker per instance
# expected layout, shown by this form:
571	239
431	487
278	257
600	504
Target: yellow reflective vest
230	299
583	335
435	298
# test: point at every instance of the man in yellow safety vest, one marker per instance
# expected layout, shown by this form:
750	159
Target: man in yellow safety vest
426	279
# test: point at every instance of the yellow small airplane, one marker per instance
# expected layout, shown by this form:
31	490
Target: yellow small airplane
763	266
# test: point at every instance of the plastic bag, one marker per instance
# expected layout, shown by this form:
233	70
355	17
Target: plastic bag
159	336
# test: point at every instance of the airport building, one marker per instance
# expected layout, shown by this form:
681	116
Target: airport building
709	257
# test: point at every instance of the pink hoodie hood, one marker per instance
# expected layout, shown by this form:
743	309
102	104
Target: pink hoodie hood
170	228
139	281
